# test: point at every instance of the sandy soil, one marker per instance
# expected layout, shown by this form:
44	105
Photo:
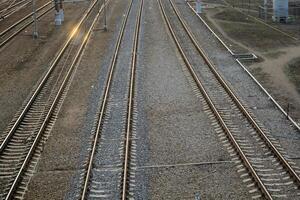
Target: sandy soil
19	15
59	172
168	103
24	60
280	84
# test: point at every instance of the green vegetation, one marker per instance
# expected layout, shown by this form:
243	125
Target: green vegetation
293	72
233	15
260	75
255	36
249	32
274	54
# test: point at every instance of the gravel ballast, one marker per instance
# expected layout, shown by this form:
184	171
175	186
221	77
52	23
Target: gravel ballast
172	127
241	83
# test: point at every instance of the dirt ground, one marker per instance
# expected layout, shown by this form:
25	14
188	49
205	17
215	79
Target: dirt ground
276	67
24	57
4	24
173	127
59	172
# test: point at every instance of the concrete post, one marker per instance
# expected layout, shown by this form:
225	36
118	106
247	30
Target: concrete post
266	9
105	23
198	6
59	15
35	31
61	11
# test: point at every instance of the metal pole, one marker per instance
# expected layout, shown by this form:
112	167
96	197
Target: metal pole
105	23
266	10
61	11
35	31
249	5
288	111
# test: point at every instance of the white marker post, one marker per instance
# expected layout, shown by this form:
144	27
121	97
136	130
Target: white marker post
61	11
198	6
57	19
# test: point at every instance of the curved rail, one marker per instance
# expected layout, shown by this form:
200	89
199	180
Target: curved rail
130	102
212	106
23	19
55	101
236	99
233	96
129	106
7	30
246	70
104	103
45	78
6	12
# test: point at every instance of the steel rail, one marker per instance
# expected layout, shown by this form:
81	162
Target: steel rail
23	27
246	70
213	107
262	22
23	19
11	12
234	97
45	78
11	7
52	108
130	102
104	103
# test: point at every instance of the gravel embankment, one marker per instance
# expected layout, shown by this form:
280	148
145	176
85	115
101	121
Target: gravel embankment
61	165
172	127
265	111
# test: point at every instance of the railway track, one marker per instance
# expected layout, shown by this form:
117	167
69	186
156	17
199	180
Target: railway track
13	30
108	169
22	144
262	162
5	4
283	111
11	9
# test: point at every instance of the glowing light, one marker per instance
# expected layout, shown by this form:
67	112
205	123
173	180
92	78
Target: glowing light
74	31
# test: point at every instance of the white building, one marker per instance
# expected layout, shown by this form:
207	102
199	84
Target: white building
280	10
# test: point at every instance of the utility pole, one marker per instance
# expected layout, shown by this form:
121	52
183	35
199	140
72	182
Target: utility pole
288	111
249	6
59	12
35	31
105	23
266	9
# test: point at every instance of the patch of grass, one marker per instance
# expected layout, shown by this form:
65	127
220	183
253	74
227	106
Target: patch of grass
232	15
260	74
292	70
255	35
274	54
232	45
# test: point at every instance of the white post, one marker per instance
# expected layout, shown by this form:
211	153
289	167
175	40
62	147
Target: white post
198	6
57	13
61	15
61	11
57	18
